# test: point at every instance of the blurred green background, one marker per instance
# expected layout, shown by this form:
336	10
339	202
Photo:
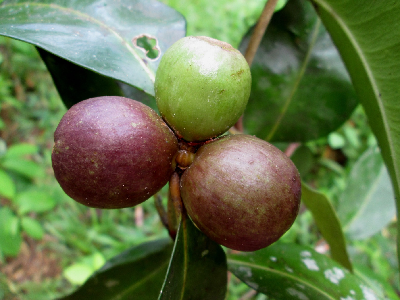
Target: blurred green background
56	243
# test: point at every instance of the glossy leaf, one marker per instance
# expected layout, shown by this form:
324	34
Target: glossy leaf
328	223
300	88
382	288
368	38
7	186
138	95
137	273
10	236
290	271
75	83
197	268
99	35
367	204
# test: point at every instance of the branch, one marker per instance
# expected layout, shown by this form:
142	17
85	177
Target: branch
259	30
255	41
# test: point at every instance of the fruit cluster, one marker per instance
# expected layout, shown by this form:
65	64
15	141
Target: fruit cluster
114	152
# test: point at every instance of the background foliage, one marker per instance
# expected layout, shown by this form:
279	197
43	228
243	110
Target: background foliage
339	159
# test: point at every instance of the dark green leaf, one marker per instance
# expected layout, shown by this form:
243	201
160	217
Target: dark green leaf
197	268
368	38
138	95
367	204
34	200
300	88
328	223
75	83
10	236
99	35
304	160
290	271
137	273
7	186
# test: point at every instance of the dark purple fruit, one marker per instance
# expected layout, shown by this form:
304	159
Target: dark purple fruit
112	152
242	192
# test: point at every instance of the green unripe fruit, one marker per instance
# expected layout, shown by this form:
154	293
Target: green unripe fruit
112	152
242	192
202	87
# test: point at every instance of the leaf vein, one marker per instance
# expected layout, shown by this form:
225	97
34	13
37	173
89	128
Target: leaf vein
283	274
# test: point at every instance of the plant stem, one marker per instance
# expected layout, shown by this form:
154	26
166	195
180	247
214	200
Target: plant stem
259	30
255	41
250	294
161	210
139	216
291	149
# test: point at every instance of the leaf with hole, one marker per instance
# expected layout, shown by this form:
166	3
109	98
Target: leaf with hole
75	83
194	258
300	89
290	271
97	34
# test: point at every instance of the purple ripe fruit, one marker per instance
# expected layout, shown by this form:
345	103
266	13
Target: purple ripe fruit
112	152
242	192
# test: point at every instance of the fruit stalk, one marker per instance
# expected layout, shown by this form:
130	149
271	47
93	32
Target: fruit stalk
175	205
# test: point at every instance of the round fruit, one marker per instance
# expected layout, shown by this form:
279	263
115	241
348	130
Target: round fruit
202	87
242	192
112	152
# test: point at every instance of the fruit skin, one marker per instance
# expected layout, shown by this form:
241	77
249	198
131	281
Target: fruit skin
242	192
202	87
112	152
